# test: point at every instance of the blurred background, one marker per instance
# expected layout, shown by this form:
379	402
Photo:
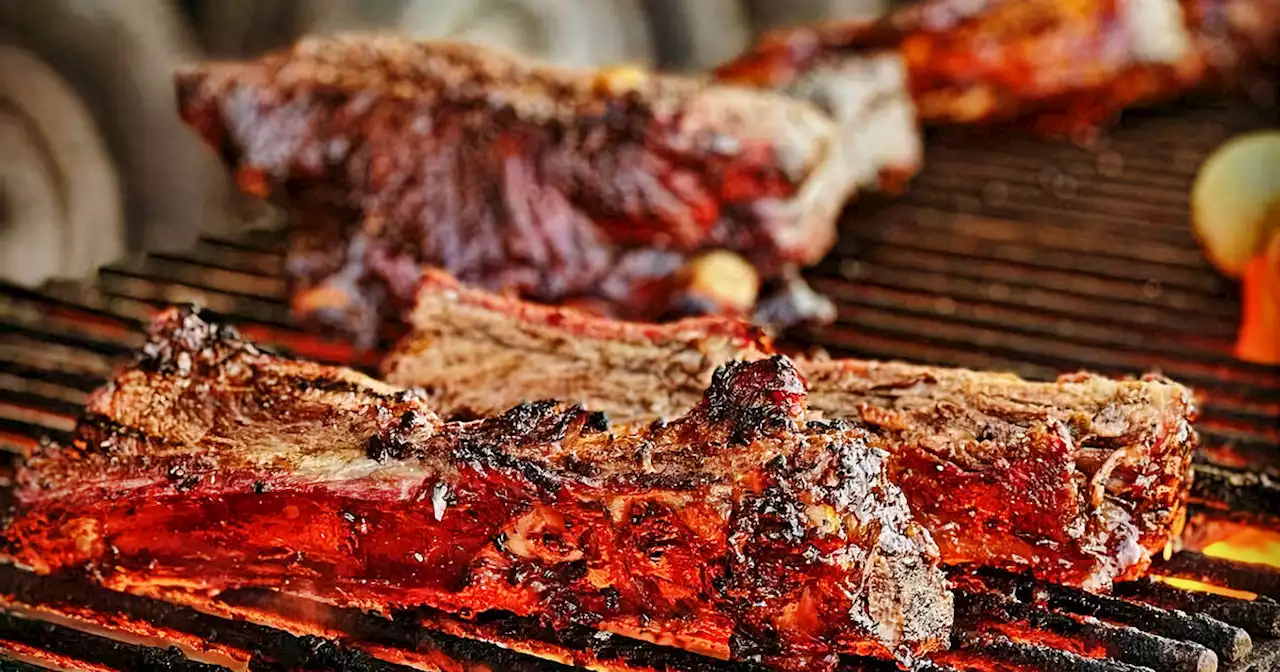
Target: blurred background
94	162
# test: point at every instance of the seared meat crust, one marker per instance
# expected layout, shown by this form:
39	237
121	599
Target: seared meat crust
1079	481
741	530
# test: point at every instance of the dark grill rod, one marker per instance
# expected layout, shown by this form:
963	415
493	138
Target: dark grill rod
1018	344
1266	659
180	270
1109	321
207	253
205	257
1260	617
864	307
144	287
1036	657
28	433
40	404
49	304
59	377
16	666
987	301
94	649
1121	643
908	247
1239	492
1123	177
1250	577
1093	222
1230	643
1078	237
272	649
906	237
64	340
259	241
1157	210
1169	191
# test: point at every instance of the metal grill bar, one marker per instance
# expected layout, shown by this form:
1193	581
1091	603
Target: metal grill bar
16	666
1260	617
1230	643
1121	643
18	635
1237	491
1036	657
263	648
1257	579
1266	660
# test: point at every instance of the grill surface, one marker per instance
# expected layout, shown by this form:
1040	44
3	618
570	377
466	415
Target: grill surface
1010	254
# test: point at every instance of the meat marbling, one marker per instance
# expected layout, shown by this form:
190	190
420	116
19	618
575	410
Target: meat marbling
741	530
1079	481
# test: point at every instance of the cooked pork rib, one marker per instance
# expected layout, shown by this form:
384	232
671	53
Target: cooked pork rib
738	530
557	185
1079	481
1061	65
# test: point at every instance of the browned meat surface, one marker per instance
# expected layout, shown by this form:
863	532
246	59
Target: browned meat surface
557	185
1061	65
472	352
1079	481
740	529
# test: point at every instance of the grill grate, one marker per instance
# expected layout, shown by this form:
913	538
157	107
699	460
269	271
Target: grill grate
1009	253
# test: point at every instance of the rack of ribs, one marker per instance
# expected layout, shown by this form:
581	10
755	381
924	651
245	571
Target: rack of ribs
598	188
741	529
1062	66
1079	481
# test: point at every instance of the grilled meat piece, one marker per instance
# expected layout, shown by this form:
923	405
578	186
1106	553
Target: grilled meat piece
556	185
739	530
1062	66
1079	481
471	351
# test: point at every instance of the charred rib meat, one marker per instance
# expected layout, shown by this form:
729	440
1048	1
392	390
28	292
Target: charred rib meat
739	530
1063	66
556	185
1079	481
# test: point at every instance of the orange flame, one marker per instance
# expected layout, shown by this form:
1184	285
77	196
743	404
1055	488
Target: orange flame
1244	544
1251	544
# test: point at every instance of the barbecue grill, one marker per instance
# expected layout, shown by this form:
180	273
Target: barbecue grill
1008	253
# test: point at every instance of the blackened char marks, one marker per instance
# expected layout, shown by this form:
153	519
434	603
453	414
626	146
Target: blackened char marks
794	536
181	340
395	442
1079	480
750	400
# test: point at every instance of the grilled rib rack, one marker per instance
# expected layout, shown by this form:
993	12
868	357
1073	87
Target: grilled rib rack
1008	254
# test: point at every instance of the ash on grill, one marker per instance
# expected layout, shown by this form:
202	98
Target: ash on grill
1010	254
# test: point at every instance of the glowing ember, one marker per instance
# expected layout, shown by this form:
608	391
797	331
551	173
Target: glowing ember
1189	584
1243	544
1248	545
